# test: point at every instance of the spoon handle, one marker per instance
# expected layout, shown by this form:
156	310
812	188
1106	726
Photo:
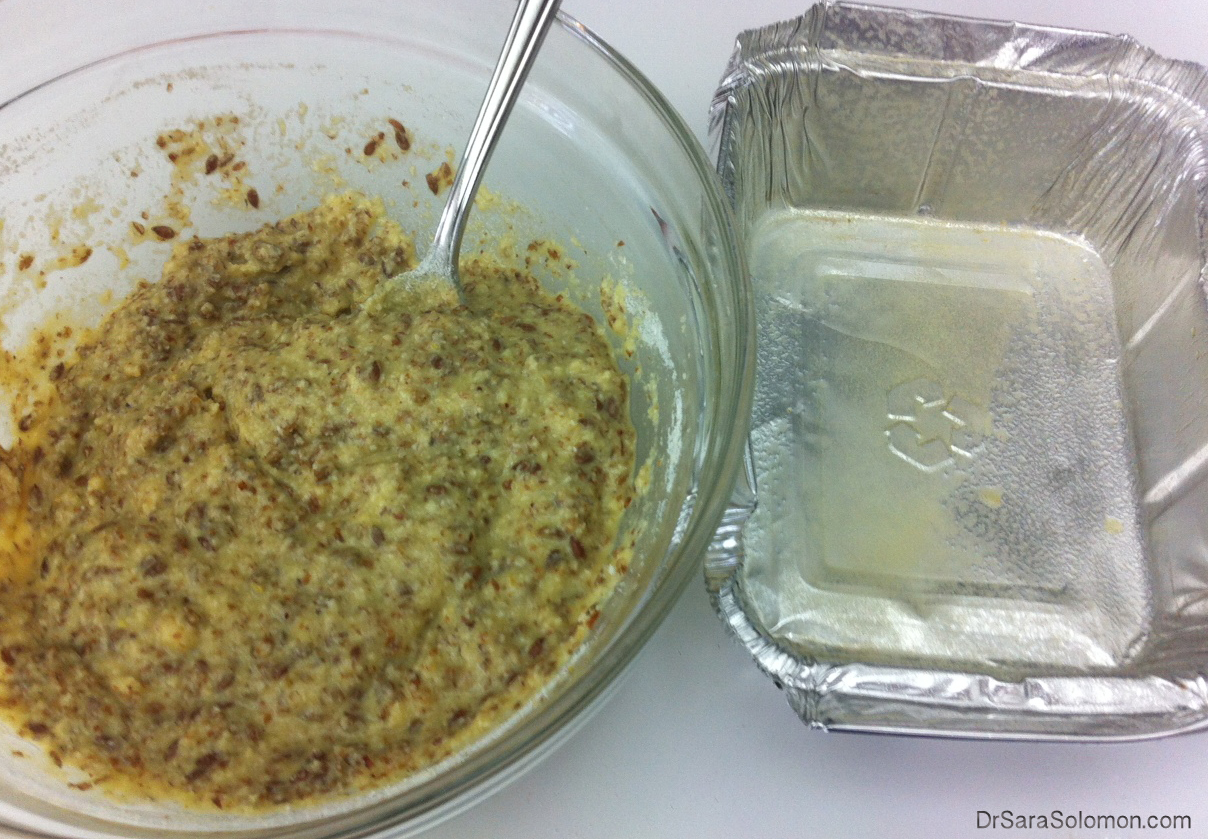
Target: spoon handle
532	21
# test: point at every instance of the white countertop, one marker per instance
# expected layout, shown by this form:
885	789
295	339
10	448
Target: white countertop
696	742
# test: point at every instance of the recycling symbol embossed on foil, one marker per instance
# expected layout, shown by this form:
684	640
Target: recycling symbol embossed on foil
930	429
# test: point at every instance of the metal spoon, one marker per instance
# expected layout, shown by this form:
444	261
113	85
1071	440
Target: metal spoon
532	21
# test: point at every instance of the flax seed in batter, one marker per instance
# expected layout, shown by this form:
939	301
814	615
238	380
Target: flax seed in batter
270	545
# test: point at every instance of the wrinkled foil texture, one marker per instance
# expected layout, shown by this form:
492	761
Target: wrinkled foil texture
869	110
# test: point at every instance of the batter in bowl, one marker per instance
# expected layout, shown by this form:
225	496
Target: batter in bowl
270	545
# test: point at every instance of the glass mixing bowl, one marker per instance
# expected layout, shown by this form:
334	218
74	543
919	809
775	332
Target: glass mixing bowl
593	159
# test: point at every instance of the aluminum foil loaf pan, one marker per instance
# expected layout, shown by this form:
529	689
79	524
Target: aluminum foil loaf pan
976	498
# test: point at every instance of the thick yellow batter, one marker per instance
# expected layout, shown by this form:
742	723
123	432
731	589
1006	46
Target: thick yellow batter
285	546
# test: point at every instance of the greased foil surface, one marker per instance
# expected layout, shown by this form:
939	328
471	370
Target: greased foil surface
976	499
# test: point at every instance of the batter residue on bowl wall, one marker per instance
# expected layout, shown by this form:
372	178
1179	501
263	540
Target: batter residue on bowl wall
269	545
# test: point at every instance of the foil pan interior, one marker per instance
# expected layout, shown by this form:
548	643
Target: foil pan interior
976	493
